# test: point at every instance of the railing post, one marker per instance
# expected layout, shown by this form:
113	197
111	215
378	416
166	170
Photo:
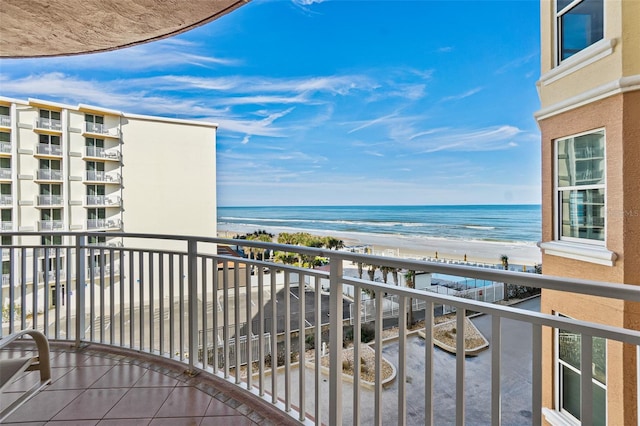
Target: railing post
80	284
335	342
192	282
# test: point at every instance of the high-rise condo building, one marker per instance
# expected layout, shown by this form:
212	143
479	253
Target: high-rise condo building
590	123
72	168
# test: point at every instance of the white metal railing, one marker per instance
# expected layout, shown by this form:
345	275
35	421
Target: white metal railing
167	299
101	129
50	225
5	120
99	152
48	149
5	147
101	176
49	174
6	225
50	200
103	200
104	224
5	173
6	199
49	124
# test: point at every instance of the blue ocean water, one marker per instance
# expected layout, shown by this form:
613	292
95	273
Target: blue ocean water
508	223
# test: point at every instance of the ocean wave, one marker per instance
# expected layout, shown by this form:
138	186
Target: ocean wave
480	227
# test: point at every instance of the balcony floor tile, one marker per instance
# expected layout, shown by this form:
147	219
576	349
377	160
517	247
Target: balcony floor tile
115	387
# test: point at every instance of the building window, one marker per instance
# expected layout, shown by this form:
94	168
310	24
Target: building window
569	372
580	24
94	123
51	240
580	187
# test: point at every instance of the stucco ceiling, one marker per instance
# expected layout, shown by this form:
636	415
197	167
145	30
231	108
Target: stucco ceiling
32	28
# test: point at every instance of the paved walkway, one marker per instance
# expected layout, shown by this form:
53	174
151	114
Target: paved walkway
516	381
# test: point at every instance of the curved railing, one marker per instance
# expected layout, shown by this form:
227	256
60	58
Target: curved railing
180	297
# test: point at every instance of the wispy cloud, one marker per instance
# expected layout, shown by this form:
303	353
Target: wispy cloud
484	139
164	54
445	49
462	95
518	62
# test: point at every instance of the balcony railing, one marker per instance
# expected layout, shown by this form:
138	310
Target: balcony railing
50	200
5	120
104	224
5	173
188	303
101	129
99	152
49	124
103	200
48	174
6	225
48	149
6	199
100	176
5	147
50	225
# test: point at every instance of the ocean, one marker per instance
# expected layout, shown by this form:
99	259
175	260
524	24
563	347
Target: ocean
491	223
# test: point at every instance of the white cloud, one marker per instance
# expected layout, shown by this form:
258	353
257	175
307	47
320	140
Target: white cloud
484	139
462	95
162	54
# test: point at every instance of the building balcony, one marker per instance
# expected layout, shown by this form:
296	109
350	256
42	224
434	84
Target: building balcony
49	174
109	154
104	224
5	148
5	120
48	150
101	176
5	173
101	130
50	225
6	200
6	225
49	200
103	201
48	124
186	308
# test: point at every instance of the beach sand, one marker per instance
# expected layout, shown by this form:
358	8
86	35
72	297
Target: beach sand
519	253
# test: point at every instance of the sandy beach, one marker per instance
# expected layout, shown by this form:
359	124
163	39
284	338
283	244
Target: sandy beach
421	247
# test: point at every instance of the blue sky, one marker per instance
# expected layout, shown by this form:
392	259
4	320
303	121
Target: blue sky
336	102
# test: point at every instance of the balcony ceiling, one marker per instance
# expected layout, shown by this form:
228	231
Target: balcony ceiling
37	28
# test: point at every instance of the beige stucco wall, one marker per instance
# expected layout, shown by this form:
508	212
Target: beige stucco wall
169	177
630	40
622	27
618	115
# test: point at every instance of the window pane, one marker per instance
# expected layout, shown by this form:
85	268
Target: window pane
561	4
570	391
600	360
582	214
569	347
599	405
5	137
581	160
581	26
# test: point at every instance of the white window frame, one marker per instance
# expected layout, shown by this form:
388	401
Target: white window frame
557	192
557	29
564	414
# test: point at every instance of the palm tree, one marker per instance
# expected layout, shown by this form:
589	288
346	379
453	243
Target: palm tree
372	272
505	261
385	272
410	282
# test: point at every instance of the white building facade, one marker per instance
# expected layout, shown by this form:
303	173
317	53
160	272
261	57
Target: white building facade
70	168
